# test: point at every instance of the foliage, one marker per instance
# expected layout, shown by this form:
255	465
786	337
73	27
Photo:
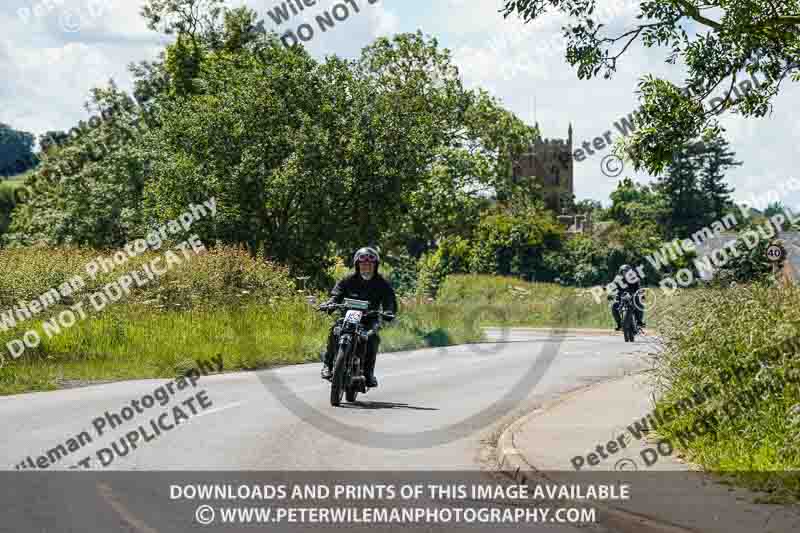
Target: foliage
401	272
219	276
587	260
692	189
587	206
513	242
507	302
632	203
747	265
391	145
632	244
689	196
762	431
470	145
16	151
582	262
452	256
8	202
717	40
87	190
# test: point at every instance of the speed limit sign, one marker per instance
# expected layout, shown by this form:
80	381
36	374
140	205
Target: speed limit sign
774	253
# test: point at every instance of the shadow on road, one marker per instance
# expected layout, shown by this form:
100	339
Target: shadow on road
385	405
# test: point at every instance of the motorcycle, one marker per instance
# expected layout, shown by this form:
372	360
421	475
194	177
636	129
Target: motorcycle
348	367
630	325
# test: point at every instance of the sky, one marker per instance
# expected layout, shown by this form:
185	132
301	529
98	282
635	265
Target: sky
52	52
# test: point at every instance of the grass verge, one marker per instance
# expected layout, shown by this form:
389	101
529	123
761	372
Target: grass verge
135	340
730	379
525	304
131	341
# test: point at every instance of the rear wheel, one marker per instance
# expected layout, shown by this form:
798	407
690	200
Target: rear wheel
338	377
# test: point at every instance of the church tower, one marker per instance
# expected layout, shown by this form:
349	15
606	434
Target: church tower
549	162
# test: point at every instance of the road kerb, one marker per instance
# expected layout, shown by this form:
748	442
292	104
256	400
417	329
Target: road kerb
512	463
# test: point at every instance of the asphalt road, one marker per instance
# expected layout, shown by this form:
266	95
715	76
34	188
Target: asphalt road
241	422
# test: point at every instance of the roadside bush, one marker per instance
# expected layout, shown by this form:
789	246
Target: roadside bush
452	256
748	265
401	272
27	273
7	204
221	275
514	244
583	262
750	423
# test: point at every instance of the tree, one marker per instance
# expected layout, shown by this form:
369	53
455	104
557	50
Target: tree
466	152
633	203
16	151
680	191
716	193
279	138
587	206
773	209
717	40
514	240
88	187
693	188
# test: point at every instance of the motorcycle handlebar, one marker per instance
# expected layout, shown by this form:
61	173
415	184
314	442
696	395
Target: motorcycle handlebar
342	307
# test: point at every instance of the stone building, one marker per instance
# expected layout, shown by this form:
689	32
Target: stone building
549	162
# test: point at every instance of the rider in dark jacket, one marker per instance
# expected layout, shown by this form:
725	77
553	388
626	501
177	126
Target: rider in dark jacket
627	283
364	284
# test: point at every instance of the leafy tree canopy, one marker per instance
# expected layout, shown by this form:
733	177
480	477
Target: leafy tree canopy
16	151
717	40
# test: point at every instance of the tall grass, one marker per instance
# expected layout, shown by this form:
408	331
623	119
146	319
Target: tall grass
717	330
247	310
502	301
133	341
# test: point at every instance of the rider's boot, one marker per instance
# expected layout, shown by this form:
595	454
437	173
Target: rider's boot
369	370
327	363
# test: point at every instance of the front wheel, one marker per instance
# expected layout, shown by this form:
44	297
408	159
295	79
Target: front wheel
338	377
629	325
351	393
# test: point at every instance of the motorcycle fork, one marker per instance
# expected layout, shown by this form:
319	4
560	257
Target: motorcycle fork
352	346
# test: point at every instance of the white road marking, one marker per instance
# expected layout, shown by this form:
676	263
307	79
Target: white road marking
220	409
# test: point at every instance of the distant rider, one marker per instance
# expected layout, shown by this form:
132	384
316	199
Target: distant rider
364	284
627	282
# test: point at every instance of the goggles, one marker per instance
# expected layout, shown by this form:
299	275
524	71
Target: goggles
367	258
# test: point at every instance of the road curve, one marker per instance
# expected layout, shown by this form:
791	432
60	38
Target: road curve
246	427
236	423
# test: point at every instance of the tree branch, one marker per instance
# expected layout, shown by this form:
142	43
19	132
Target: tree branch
693	12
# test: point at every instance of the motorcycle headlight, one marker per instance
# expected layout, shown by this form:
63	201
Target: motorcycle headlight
337	330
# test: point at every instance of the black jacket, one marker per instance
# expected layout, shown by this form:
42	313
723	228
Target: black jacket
631	288
377	291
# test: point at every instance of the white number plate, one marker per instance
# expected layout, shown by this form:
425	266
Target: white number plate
353	316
